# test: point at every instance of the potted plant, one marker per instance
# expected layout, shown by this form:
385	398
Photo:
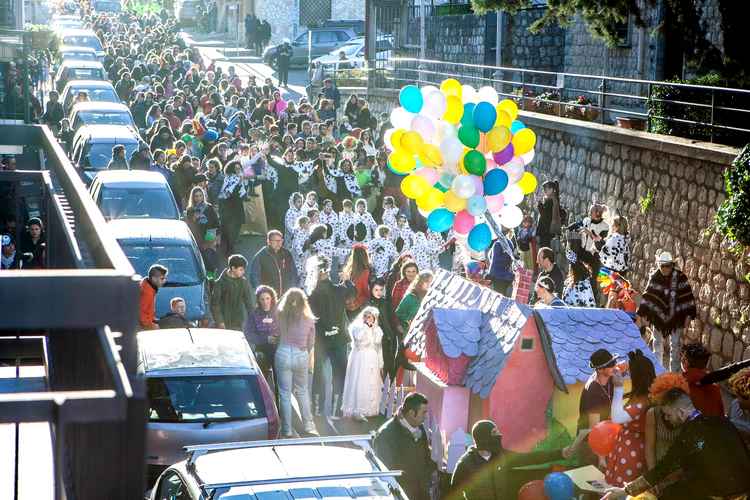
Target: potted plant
581	108
547	102
41	36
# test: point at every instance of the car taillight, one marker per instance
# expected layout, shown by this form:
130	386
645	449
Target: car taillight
272	414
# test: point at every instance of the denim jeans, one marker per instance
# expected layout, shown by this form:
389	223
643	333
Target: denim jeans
672	362
292	375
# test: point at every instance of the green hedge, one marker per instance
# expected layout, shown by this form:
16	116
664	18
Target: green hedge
733	216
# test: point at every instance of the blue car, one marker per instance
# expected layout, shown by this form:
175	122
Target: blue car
171	244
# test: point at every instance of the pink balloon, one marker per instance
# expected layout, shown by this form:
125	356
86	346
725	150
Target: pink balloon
423	126
430	174
479	184
495	203
463	222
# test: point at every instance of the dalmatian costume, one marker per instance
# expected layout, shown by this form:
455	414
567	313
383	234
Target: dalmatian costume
290	219
579	294
389	217
306	207
382	253
345	221
350	181
330	220
425	250
405	235
304	170
615	254
368	220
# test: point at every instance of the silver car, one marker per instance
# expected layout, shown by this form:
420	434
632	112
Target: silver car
204	386
288	468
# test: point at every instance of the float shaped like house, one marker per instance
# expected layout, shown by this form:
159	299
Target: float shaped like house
484	355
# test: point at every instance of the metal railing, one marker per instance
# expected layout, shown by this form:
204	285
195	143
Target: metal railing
708	113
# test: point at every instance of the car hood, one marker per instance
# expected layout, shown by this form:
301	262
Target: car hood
194	296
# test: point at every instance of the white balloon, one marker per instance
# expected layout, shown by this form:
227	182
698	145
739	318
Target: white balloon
434	104
528	157
463	186
511	216
468	94
514	169
425	126
513	195
400	118
443	131
387	138
451	149
488	94
427	90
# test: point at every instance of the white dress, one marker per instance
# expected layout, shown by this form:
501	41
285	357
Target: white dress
363	385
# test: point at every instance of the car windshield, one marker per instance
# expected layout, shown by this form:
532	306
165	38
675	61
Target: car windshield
178	259
98	95
85	74
204	398
105	118
81	56
131	203
350	50
98	154
83	41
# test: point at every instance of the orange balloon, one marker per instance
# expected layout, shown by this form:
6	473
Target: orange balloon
483	147
603	437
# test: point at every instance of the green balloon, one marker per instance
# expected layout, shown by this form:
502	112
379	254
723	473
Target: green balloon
469	136
475	163
440	187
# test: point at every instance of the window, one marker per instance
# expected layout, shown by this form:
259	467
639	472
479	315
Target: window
341	36
324	37
100	153
129	203
172	488
102	118
527	344
622	33
179	259
205	398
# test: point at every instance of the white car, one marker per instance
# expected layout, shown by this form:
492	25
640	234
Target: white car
100	113
97	90
354	51
281	469
82	37
133	194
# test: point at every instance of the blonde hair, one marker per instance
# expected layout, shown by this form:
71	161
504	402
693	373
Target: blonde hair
294	307
621	223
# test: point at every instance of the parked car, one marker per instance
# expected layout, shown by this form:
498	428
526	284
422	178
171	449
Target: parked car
82	37
92	147
171	244
133	194
64	22
354	50
78	70
186	12
97	90
100	113
77	53
324	467
203	386
323	41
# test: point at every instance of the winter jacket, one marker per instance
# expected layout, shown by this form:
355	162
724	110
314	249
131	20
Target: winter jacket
147	308
231	301
397	447
501	262
274	269
327	303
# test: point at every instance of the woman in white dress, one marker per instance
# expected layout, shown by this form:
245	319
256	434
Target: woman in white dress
364	383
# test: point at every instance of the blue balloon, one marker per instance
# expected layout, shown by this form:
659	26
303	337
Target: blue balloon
559	486
515	126
485	115
411	98
440	219
468	117
480	237
476	205
495	181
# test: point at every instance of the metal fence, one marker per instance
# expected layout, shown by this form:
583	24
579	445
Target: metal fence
705	113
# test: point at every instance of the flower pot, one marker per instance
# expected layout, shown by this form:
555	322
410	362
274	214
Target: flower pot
546	107
631	123
583	112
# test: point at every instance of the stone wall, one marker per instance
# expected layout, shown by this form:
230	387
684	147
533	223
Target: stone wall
543	51
619	167
347	9
282	15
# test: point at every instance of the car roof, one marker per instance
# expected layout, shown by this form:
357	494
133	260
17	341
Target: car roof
292	461
108	133
138	179
181	348
151	230
76	48
88	84
82	63
99	106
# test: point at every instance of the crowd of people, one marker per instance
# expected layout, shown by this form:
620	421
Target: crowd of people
327	302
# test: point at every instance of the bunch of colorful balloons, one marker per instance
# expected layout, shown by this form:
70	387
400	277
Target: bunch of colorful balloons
463	153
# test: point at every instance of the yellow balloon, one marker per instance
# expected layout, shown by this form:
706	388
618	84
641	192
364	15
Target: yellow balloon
430	155
509	107
503	118
412	142
523	141
432	199
414	186
498	138
454	109
527	183
402	161
398	134
451	87
453	202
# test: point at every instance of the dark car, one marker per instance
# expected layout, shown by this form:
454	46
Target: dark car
92	147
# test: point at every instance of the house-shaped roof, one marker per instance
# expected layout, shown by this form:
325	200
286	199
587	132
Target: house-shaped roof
577	332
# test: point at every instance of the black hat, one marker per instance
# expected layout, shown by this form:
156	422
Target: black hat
602	358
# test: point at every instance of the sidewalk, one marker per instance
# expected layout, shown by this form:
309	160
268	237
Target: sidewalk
221	51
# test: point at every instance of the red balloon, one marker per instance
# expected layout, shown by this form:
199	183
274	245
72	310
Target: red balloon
603	437
533	490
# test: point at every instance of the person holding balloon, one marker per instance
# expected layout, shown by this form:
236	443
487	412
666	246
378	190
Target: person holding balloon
596	398
502	262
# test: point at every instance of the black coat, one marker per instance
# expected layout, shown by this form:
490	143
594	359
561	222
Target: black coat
327	303
174	320
478	479
398	450
275	270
